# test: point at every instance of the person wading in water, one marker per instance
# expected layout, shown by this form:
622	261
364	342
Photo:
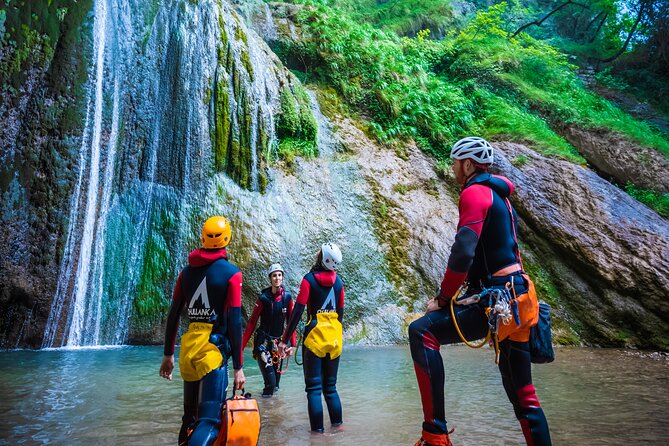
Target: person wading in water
274	308
210	287
485	254
322	293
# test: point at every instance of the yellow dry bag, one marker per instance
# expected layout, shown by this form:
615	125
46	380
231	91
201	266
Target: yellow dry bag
198	356
326	336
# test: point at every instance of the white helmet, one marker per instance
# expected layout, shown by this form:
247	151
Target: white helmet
474	148
274	268
331	256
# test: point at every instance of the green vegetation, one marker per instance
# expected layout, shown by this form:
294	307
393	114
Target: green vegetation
478	81
152	296
390	227
296	126
657	201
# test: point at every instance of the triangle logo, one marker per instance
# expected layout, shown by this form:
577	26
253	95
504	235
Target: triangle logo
201	292
330	300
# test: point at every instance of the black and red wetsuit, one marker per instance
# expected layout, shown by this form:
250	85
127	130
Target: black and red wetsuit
274	310
210	288
485	243
320	291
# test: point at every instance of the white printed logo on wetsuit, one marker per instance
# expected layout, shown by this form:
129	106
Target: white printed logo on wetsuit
203	310
330	300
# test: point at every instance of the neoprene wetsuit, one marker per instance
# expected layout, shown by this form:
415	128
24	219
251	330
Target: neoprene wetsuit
210	288
273	311
485	243
322	293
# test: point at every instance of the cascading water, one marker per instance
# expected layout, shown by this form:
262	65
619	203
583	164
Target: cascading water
172	110
142	168
92	161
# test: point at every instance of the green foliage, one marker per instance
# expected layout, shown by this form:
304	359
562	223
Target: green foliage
434	92
296	126
657	201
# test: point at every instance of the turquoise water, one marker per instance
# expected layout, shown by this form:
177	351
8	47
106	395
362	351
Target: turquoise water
115	396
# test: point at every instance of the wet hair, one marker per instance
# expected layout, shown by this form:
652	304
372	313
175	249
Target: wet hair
318	265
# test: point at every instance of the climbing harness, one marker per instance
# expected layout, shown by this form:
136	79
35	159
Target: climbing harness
502	306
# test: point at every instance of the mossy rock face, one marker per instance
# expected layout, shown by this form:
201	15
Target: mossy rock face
296	126
45	54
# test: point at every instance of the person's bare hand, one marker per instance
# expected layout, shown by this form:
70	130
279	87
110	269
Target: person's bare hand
433	305
239	379
167	366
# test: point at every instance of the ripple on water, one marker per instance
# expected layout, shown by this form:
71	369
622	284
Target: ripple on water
114	396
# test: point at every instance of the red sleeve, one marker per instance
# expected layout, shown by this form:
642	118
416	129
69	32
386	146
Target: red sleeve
289	312
475	201
234	297
233	304
251	326
340	300
303	295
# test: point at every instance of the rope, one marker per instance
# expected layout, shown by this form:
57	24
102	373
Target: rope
457	328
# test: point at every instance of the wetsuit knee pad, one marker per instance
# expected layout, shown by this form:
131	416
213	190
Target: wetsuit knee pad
205	434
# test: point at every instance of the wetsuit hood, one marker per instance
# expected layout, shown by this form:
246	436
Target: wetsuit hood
498	183
325	278
203	257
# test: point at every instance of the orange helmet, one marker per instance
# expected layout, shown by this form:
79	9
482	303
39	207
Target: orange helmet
216	233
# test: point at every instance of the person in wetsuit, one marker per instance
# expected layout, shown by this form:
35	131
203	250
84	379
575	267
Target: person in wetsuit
485	254
322	293
274	307
210	288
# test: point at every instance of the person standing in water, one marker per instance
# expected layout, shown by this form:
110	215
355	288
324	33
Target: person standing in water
322	293
210	287
274	308
485	254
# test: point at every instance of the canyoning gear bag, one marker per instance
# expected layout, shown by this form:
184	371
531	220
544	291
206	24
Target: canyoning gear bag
326	337
240	421
541	339
525	312
198	356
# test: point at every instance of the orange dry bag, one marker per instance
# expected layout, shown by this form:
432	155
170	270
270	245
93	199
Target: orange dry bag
240	422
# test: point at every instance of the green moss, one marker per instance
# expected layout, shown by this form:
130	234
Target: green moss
152	297
246	61
391	229
240	35
288	122
296	126
520	160
222	124
403	189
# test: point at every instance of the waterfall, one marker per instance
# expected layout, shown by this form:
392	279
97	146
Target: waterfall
157	80
92	160
148	175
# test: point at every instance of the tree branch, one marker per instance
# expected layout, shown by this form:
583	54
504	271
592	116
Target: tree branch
539	22
629	36
594	36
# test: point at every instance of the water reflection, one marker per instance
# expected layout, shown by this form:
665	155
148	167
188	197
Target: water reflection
114	396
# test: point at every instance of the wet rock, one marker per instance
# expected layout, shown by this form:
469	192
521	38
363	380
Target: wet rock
622	160
608	252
